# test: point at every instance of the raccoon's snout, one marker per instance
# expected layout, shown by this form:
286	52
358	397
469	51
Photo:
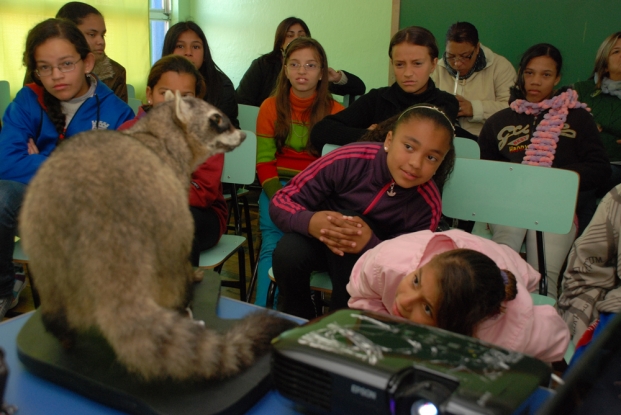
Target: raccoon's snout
219	123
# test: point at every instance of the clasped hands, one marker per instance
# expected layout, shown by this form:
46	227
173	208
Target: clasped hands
340	233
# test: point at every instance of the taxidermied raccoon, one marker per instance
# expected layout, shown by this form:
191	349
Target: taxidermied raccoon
108	232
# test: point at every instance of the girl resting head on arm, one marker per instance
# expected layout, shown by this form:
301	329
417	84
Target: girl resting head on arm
462	283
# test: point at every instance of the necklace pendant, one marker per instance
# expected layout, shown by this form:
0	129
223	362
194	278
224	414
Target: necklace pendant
391	192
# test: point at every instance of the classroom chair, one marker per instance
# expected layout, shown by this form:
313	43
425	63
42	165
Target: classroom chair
320	284
5	96
131	91
247	117
529	197
466	148
239	169
20	257
134	104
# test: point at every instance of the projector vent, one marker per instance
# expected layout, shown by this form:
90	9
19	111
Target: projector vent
301	382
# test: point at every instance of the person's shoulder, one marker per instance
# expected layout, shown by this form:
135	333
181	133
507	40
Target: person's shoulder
357	150
118	68
226	81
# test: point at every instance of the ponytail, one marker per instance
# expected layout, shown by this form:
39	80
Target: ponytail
510	284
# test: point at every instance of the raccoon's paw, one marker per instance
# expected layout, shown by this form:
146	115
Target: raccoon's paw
198	275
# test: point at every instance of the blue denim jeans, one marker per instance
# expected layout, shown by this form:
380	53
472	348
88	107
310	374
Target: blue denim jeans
11	196
270	235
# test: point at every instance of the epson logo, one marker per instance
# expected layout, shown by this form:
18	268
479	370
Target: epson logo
364	392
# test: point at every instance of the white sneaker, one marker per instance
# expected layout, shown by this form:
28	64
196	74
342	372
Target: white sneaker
20	283
5	302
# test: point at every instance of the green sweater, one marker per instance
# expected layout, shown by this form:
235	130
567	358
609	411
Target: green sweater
606	110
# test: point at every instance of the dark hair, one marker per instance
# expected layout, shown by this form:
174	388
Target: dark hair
421	112
535	51
179	64
461	32
281	35
415	35
601	58
76	11
322	105
42	32
472	289
209	70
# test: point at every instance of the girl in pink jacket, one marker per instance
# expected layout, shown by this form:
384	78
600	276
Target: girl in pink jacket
462	283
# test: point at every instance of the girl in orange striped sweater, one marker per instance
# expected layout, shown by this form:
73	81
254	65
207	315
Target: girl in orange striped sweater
300	100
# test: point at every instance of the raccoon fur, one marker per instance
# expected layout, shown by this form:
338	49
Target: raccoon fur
108	232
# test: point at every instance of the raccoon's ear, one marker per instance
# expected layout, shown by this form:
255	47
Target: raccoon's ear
182	108
168	95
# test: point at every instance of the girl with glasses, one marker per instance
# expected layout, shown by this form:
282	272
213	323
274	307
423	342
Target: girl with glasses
259	81
479	78
91	23
283	124
63	100
413	54
548	128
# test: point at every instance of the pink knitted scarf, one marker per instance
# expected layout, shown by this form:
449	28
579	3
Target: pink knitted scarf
542	147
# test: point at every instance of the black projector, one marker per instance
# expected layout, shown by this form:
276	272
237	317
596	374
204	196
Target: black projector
359	362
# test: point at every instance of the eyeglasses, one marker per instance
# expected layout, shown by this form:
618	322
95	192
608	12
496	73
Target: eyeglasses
310	67
46	70
461	58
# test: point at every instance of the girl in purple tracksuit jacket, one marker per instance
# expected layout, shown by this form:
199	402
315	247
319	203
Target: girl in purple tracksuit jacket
356	197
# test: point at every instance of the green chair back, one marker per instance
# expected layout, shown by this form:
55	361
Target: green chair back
240	164
328	148
131	91
466	148
134	104
247	117
5	96
519	195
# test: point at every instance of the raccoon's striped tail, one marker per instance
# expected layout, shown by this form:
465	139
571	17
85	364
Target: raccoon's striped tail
158	343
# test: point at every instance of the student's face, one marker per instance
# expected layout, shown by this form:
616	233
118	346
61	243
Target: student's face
63	85
191	46
540	78
94	29
418	296
461	56
412	65
614	62
295	31
303	79
171	81
415	151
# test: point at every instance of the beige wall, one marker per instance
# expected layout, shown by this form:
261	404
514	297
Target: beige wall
355	33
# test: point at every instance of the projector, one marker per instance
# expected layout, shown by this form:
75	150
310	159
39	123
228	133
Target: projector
359	362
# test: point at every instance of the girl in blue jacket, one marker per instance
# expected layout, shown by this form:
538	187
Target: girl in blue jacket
64	100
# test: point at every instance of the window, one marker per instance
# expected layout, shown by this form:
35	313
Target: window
159	17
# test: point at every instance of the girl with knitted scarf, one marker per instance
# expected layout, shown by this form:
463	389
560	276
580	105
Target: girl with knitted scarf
547	128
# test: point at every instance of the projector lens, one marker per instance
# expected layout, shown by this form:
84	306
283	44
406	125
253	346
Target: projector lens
423	408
